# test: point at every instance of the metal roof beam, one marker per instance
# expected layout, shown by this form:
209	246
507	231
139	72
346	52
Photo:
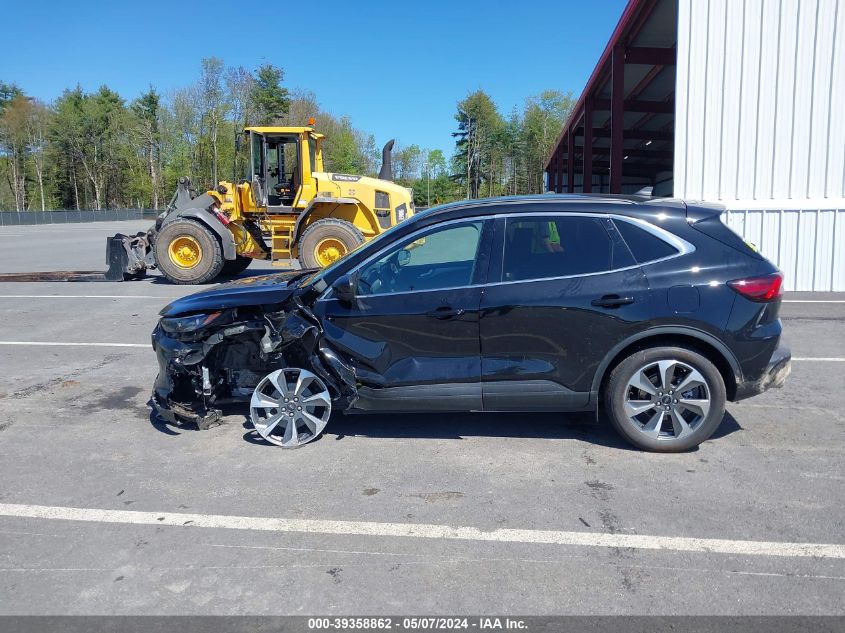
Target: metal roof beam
651	56
638	105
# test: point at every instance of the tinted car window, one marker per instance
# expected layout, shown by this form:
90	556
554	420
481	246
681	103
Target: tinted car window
559	246
645	246
443	258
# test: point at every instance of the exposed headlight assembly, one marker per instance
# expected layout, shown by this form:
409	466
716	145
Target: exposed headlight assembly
192	323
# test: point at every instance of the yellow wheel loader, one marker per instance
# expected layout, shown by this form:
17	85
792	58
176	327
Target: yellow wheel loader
287	208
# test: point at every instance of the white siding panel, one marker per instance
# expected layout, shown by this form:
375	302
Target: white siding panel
767	86
711	147
785	95
730	105
820	115
801	123
835	177
695	99
749	100
760	101
808	245
681	95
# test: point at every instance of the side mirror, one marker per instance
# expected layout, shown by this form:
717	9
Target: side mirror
403	257
344	288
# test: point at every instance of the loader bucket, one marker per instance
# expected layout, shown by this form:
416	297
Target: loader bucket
125	257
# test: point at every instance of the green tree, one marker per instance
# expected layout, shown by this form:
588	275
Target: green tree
14	143
147	111
407	163
92	129
543	118
476	156
270	99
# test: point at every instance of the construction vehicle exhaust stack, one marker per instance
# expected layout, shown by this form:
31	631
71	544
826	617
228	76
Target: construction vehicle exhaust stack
287	208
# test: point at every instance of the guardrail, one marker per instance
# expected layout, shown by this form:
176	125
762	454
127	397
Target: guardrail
14	218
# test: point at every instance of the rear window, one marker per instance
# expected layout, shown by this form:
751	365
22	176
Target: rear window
540	247
645	246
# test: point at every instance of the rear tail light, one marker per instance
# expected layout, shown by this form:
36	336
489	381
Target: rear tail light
760	289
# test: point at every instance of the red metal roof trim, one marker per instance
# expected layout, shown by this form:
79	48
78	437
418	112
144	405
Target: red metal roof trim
622	27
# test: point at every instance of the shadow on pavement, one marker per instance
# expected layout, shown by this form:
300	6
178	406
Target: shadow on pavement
581	426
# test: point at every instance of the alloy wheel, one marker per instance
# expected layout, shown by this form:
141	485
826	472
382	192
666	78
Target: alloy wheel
290	407
667	399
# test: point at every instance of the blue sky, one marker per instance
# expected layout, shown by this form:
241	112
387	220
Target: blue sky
396	68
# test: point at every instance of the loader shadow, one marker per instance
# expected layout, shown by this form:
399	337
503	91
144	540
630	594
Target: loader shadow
158	279
456	426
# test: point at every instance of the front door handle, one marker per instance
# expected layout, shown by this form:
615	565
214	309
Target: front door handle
446	312
612	301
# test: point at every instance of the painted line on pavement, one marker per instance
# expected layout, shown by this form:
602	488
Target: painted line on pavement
59	344
86	297
66	344
427	531
813	301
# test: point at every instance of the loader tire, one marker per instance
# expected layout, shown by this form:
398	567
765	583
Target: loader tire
326	241
186	252
235	266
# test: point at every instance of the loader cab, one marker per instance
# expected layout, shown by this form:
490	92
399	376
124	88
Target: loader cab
281	165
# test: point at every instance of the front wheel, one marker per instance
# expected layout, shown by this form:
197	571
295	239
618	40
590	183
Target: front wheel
186	252
326	241
665	399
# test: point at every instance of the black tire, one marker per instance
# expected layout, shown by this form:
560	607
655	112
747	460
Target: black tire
618	390
345	232
210	262
232	267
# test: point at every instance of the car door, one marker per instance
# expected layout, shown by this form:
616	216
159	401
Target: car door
412	331
565	289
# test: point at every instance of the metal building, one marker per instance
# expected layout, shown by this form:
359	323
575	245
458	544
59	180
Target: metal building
740	102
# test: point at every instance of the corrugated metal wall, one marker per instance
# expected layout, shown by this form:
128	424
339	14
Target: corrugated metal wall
760	99
808	245
760	127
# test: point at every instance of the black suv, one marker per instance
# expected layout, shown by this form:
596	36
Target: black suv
649	310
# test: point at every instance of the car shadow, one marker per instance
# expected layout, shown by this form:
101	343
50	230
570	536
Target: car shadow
582	426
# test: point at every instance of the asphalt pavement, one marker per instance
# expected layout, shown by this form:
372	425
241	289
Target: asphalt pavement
105	510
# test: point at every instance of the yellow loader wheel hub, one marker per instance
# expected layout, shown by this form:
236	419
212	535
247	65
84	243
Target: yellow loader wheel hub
329	250
185	252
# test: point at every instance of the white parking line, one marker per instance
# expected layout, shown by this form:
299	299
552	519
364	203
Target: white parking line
60	344
86	297
829	359
813	301
428	531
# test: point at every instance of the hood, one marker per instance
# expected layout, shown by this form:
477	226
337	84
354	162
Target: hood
249	291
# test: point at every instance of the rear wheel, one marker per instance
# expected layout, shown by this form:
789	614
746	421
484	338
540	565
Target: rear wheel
326	241
235	266
665	399
186	252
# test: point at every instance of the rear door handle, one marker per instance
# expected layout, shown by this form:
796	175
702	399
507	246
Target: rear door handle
446	312
612	301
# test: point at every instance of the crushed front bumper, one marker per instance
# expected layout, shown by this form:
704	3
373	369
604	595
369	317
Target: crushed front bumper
773	376
177	362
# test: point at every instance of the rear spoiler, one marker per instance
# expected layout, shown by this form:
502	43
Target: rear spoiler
706	217
698	211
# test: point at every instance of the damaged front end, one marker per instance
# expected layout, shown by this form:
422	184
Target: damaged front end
216	348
